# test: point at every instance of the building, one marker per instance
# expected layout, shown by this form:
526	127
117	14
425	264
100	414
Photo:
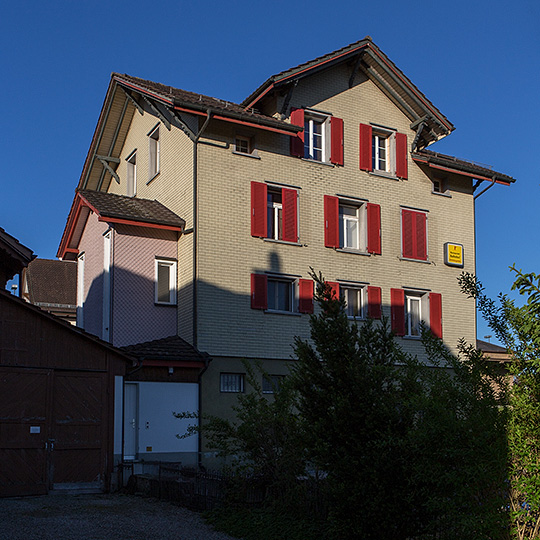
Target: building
200	218
52	286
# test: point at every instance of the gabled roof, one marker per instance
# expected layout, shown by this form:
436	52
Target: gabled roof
112	208
170	351
14	256
444	162
365	56
51	282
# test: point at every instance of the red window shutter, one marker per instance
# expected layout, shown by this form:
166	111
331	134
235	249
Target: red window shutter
401	155
258	209
366	163
259	291
305	293
421	236
290	221
397	301
335	289
407	226
336	133
435	314
297	141
374	302
374	228
331	221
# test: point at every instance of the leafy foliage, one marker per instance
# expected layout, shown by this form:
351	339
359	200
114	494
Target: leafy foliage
518	328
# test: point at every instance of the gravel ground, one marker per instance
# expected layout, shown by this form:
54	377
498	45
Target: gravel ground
100	517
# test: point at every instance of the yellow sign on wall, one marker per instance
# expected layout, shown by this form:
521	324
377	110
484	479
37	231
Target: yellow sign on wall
453	254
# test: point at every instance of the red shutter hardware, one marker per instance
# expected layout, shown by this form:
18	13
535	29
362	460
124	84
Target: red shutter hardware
435	314
336	150
331	221
259	291
401	155
305	293
374	302
290	221
366	135
297	142
397	301
258	209
374	228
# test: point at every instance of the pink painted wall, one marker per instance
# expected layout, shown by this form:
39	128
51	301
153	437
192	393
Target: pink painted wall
136	317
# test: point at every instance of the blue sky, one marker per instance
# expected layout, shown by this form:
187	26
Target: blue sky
477	61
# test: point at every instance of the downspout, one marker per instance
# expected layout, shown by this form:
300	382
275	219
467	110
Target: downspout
485	189
196	223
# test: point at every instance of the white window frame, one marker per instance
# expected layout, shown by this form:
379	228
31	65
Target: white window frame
270	383
421	299
346	290
361	222
311	119
226	386
274	214
154	144
131	174
171	264
389	137
292	294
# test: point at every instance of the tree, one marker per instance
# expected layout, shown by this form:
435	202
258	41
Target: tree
518	328
409	449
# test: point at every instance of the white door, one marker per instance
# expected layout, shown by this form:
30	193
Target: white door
131	420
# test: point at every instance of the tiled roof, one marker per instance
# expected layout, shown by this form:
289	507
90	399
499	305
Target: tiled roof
131	208
169	348
490	347
52	282
452	162
201	102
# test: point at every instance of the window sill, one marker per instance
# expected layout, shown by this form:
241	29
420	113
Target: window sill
413	338
273	241
415	260
328	164
153	178
445	194
164	304
353	251
384	175
253	155
277	312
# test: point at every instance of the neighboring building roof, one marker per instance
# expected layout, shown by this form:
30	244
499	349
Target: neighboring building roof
51	282
108	205
460	166
492	351
172	350
202	103
14	256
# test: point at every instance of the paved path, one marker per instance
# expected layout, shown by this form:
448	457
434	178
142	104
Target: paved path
100	517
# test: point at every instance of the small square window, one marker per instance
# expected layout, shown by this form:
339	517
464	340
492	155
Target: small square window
355	301
270	383
281	295
242	145
232	382
153	153
165	285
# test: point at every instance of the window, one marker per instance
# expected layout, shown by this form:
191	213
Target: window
412	308
242	145
361	301
440	186
231	382
274	212
285	294
383	150
271	383
414	234
322	138
165	282
131	174
354	299
80	290
153	153
352	225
